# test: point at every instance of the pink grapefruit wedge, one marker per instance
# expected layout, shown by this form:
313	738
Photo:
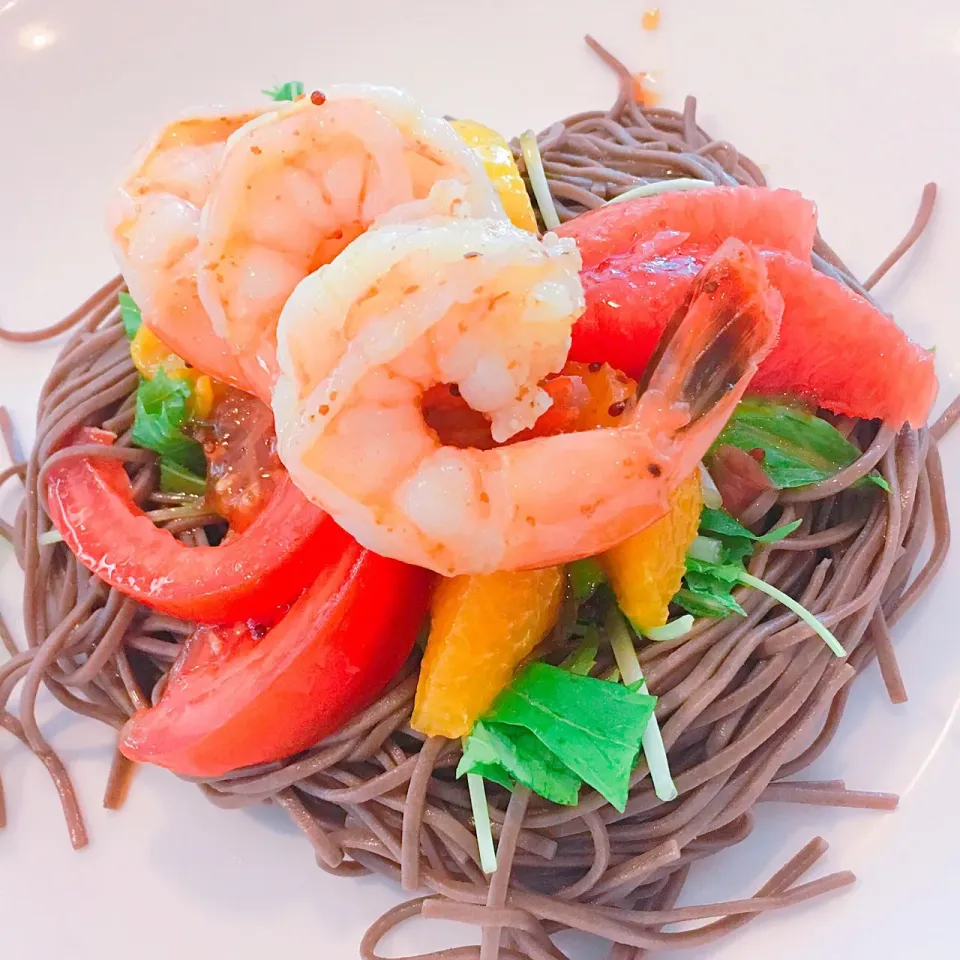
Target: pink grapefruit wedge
836	349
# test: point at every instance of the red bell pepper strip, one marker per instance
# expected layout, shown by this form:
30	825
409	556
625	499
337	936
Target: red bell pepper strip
233	700
253	575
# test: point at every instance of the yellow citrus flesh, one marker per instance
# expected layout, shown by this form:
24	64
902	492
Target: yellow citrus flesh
150	354
481	630
646	569
497	159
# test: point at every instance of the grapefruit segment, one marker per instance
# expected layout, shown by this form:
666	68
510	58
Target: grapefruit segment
780	219
640	260
839	351
629	301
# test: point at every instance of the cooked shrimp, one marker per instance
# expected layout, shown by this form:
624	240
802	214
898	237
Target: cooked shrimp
154	220
488	307
300	183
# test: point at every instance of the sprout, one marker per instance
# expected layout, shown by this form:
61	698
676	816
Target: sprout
706	548
538	179
481	821
711	495
670	631
663	186
653	748
802	612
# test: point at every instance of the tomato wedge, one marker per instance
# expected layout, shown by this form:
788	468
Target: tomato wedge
253	575
240	446
233	700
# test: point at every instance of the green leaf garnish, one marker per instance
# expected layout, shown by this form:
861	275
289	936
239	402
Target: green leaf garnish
876	479
162	408
129	314
586	577
724	572
594	726
285	91
508	754
798	447
712	575
705	597
551	729
584	658
177	479
708	584
715	581
720	522
736	550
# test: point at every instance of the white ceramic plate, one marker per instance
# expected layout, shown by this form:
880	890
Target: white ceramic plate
847	100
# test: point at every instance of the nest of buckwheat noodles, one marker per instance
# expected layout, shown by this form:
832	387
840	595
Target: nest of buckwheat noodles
745	704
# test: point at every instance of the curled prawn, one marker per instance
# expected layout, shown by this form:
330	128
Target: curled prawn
489	308
154	221
299	183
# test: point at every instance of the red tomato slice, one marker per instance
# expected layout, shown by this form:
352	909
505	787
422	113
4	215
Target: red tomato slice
459	425
234	700
240	445
254	575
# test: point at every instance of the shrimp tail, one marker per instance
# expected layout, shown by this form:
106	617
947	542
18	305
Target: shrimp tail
717	338
713	345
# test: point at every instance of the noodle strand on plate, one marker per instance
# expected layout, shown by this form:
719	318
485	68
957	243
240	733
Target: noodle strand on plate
744	703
